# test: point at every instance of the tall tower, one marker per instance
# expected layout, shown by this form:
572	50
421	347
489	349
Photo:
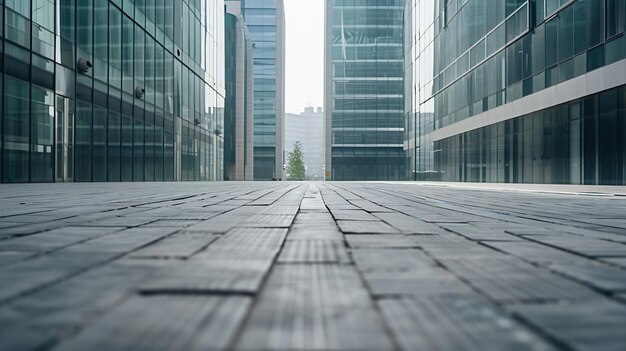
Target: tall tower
239	109
363	90
266	23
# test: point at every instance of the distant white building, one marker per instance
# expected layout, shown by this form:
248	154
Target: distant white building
308	129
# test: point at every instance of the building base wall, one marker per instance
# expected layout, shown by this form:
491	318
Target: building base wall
578	142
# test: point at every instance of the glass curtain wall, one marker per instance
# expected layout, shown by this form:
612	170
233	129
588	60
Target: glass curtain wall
367	118
471	56
581	142
261	18
111	90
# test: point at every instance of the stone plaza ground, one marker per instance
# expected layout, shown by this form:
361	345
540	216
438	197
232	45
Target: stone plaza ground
284	266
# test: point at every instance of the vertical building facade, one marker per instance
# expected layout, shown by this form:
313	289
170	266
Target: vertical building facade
517	91
364	90
239	109
308	129
111	90
265	20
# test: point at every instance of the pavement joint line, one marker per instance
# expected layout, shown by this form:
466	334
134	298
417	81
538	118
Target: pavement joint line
386	326
248	314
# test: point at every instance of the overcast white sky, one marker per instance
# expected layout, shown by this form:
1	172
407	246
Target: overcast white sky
305	54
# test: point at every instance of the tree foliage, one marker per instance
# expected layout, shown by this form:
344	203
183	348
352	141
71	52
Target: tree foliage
295	165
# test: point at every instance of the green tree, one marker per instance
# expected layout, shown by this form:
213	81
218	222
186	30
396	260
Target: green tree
295	166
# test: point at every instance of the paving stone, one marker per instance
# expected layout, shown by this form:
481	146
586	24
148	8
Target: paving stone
309	307
166	323
585	246
41	217
247	241
440	219
182	245
178	213
394	241
426	281
478	233
5	224
313	205
369	206
407	224
55	239
437	240
342	206
314	251
619	261
527	230
598	275
65	307
174	223
315	232
353	215
121	242
362	227
283	210
511	280
459	250
268	221
596	325
535	252
386	260
7	257
456	323
26	276
19	338
236	263
122	221
314	218
32	228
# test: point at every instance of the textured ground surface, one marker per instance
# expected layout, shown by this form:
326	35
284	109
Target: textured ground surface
359	266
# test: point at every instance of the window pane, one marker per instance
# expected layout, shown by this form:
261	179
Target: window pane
595	22
42	104
551	42
566	33
114	146
614	17
138	148
580	26
16	130
127	54
127	148
101	35
99	144
82	149
115	47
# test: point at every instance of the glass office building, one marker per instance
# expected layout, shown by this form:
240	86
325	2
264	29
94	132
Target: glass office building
111	90
364	90
265	20
516	91
239	110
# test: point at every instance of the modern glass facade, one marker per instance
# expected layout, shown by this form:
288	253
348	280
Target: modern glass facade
500	90
238	111
112	90
265	20
364	90
579	142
